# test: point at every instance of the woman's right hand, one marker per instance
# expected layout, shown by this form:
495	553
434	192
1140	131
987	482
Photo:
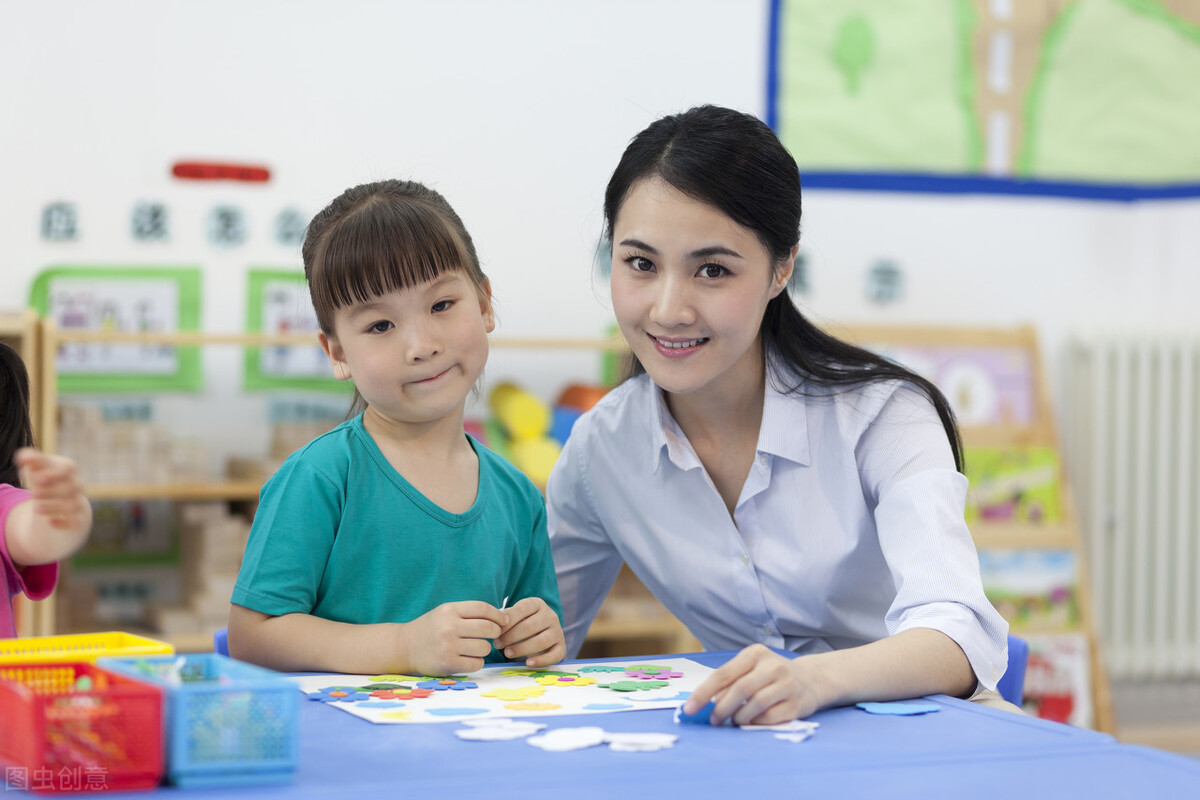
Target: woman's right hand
758	687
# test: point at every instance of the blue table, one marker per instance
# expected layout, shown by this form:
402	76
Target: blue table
963	751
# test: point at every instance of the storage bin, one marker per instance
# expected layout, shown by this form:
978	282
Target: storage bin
78	647
226	722
77	727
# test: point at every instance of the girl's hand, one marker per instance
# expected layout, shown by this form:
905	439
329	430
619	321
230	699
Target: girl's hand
759	687
452	638
54	486
533	633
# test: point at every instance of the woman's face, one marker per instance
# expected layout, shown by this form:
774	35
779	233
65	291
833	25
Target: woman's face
689	288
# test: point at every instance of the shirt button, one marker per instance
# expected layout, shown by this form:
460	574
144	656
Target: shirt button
767	629
746	559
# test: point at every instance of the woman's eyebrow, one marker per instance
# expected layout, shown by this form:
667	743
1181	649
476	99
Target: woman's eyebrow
703	252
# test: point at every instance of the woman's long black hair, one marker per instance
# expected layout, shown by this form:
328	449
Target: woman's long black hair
16	429
734	162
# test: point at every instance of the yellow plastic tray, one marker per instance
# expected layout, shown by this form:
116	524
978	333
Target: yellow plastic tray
85	647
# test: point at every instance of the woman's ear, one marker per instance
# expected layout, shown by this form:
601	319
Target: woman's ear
337	358
783	273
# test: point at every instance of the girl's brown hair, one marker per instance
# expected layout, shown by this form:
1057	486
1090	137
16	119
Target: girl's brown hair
382	237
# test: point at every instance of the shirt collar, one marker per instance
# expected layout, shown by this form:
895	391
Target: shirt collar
783	431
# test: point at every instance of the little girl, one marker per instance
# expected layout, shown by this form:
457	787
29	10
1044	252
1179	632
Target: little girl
44	514
396	543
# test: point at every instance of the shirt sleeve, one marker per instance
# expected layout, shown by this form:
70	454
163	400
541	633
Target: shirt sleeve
906	463
585	558
290	541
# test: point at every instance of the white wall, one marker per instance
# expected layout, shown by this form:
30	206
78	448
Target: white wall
517	111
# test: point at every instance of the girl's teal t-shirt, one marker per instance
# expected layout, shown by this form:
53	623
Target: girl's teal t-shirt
341	535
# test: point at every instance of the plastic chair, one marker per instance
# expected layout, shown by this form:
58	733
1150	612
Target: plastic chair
221	646
1012	684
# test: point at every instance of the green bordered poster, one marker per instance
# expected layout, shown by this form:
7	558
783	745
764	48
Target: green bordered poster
129	300
1090	99
277	302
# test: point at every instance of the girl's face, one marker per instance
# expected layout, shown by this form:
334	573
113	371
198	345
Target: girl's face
689	288
414	354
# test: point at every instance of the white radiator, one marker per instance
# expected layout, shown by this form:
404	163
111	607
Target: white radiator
1131	426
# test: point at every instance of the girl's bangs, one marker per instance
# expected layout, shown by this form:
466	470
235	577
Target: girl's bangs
383	249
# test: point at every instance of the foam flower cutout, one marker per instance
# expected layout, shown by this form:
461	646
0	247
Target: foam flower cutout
633	686
565	680
400	678
602	668
532	706
442	684
522	693
653	674
339	694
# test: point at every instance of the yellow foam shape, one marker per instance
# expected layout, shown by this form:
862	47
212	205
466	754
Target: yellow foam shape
532	706
521	693
522	415
398	715
535	457
553	680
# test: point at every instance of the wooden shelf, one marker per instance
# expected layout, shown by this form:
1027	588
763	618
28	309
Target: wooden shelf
1022	536
217	490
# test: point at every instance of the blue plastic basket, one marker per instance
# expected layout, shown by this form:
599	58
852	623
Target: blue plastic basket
225	722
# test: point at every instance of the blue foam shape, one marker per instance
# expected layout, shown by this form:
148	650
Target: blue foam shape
701	717
899	709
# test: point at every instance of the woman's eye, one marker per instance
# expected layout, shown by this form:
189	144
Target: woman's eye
383	326
441	305
712	271
641	264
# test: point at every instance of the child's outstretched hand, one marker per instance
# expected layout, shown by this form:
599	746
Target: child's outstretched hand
56	489
453	638
56	519
533	633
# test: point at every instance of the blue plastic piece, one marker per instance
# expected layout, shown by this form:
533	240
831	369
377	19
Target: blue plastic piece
899	709
1012	684
221	641
562	423
227	723
701	717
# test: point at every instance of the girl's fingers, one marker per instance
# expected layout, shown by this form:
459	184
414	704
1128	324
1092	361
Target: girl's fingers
539	642
478	629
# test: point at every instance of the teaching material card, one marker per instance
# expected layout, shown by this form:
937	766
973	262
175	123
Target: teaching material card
510	690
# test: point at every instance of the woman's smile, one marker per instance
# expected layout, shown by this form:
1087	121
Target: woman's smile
677	348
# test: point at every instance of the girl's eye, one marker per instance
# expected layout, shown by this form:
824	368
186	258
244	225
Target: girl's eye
383	326
640	264
712	271
442	305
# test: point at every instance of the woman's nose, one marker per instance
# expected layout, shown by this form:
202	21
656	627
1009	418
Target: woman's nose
673	304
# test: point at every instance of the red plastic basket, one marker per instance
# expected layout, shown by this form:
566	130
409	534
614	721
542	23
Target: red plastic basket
77	727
